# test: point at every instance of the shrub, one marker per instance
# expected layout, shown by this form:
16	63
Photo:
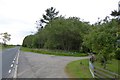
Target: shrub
117	54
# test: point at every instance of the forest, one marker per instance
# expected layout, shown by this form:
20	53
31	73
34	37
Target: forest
73	34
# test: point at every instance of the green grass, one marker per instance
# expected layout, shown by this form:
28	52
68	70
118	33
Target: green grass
6	47
54	52
78	69
112	65
0	47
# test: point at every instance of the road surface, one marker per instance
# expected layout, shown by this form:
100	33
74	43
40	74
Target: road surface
8	56
32	65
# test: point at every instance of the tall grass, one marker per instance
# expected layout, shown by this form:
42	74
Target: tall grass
54	52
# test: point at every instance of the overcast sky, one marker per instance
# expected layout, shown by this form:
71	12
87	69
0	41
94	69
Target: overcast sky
18	17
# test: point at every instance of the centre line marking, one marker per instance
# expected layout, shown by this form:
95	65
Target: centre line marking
9	71
14	58
11	65
13	61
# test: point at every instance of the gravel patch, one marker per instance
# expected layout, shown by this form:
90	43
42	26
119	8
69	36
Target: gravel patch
32	65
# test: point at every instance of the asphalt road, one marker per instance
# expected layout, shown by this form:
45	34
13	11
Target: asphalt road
32	65
8	56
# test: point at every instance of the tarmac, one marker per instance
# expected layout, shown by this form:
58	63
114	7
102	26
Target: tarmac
33	65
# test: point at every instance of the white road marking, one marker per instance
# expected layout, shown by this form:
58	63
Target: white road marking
9	71
13	61
14	58
16	65
11	65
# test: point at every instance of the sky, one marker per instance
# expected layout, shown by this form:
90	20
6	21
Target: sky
18	17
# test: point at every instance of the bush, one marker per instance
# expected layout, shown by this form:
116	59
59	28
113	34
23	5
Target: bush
117	54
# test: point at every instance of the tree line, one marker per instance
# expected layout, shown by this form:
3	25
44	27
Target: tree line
73	34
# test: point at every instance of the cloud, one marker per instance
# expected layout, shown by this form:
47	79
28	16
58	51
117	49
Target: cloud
18	17
17	28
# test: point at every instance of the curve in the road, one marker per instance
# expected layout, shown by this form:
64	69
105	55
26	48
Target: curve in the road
32	65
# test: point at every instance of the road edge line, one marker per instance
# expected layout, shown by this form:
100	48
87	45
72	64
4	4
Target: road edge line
16	65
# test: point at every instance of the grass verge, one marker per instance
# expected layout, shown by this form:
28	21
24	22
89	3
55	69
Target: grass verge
78	69
6	47
112	65
54	52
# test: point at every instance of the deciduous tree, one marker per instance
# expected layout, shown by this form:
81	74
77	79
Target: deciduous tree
5	37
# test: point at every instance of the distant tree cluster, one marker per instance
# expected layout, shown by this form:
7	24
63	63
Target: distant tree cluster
60	33
5	37
73	34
